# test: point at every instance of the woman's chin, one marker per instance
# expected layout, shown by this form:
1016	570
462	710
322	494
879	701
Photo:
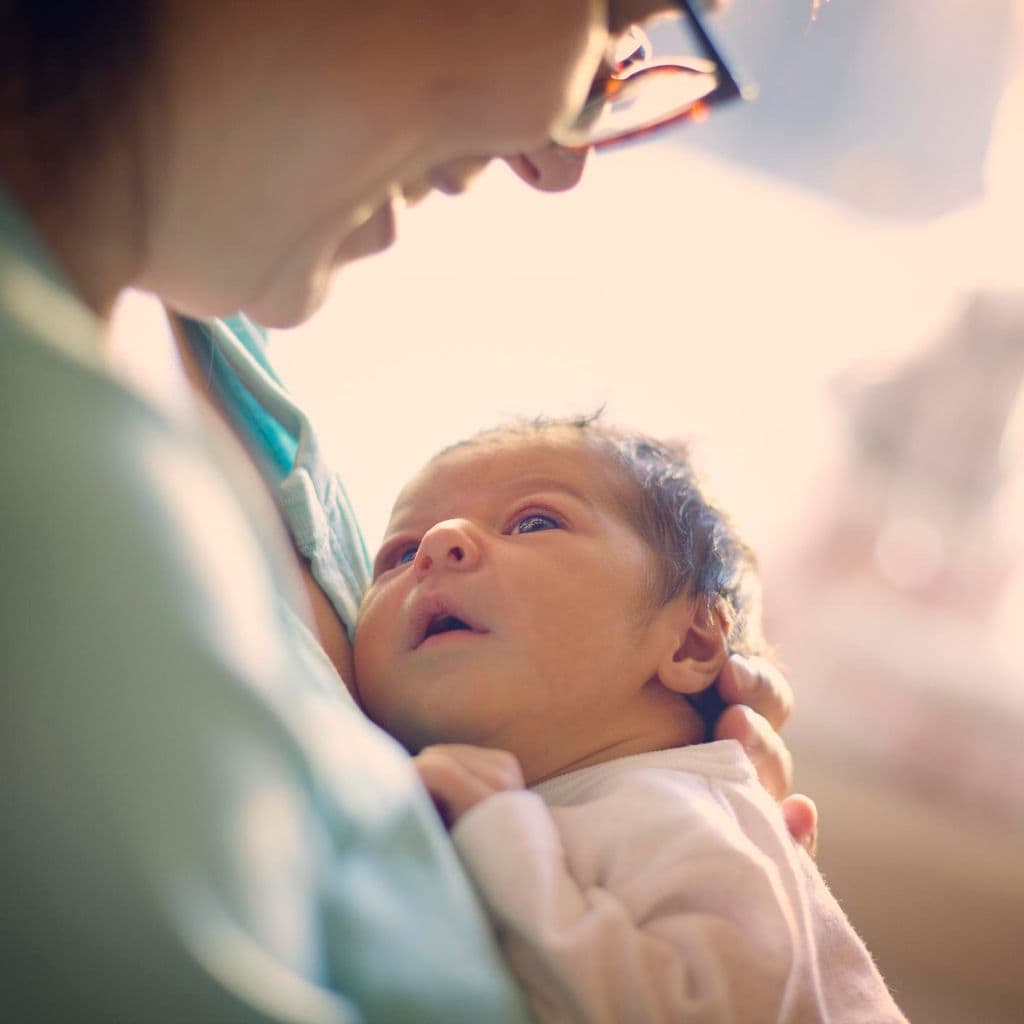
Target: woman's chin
291	303
283	306
294	297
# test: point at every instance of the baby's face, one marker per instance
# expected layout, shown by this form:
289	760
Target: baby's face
510	604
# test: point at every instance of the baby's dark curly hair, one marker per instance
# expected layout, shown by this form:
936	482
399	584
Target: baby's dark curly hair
697	547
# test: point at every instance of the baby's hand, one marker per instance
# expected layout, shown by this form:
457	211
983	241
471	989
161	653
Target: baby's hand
458	776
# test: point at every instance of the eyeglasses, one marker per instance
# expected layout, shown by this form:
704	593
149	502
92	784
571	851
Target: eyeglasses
653	85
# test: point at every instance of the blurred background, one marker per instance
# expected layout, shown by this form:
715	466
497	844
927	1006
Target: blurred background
825	290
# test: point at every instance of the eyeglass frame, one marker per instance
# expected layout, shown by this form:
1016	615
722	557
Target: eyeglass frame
726	89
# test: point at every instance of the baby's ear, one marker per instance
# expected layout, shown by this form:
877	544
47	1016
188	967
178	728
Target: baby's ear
701	648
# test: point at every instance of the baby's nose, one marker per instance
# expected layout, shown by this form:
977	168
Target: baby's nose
448	545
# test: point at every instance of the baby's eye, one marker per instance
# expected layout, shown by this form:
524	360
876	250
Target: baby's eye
533	522
392	558
406	555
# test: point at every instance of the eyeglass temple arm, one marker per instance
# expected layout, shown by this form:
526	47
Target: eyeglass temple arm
728	84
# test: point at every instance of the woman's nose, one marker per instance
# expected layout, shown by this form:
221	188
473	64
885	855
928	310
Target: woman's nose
448	545
551	169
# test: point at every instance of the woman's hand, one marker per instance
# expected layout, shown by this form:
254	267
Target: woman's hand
760	700
458	776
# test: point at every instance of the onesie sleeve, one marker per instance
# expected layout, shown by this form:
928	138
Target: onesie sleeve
648	904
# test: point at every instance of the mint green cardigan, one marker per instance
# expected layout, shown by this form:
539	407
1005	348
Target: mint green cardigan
197	825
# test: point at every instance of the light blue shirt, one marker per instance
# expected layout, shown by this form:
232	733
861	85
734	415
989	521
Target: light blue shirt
196	825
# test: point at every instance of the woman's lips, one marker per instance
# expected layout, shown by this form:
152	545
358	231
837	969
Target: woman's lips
372	236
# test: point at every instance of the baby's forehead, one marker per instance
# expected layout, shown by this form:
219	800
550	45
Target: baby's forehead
497	468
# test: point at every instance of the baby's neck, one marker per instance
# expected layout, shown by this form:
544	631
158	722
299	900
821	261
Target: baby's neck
683	728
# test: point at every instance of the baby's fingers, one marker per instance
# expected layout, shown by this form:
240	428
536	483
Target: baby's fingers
497	768
458	777
453	788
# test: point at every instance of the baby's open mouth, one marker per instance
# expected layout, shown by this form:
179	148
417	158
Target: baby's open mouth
445	624
435	618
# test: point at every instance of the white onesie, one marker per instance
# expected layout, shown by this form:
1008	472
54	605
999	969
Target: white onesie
665	887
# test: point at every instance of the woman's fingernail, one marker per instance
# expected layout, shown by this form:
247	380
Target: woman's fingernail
811	844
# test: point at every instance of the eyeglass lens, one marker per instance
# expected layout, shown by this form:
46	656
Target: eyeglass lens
657	80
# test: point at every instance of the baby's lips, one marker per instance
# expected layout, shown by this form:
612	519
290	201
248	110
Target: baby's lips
428	609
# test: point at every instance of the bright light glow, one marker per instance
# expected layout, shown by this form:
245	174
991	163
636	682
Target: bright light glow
704	301
910	552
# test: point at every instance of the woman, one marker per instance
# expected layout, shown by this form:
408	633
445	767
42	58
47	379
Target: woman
198	824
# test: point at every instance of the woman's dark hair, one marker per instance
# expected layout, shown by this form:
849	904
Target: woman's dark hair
70	71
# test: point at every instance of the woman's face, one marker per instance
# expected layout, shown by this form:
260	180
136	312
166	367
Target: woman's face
292	130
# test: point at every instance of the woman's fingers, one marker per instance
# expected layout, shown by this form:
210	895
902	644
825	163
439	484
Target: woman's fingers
759	685
770	756
761	700
801	815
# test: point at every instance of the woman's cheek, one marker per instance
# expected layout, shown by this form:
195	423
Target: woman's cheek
550	52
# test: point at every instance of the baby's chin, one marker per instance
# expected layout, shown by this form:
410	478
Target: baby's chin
416	726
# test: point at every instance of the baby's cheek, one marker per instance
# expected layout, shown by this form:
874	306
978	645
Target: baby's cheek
367	638
378	648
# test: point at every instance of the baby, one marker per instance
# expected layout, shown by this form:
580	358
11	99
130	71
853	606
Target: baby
548	598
